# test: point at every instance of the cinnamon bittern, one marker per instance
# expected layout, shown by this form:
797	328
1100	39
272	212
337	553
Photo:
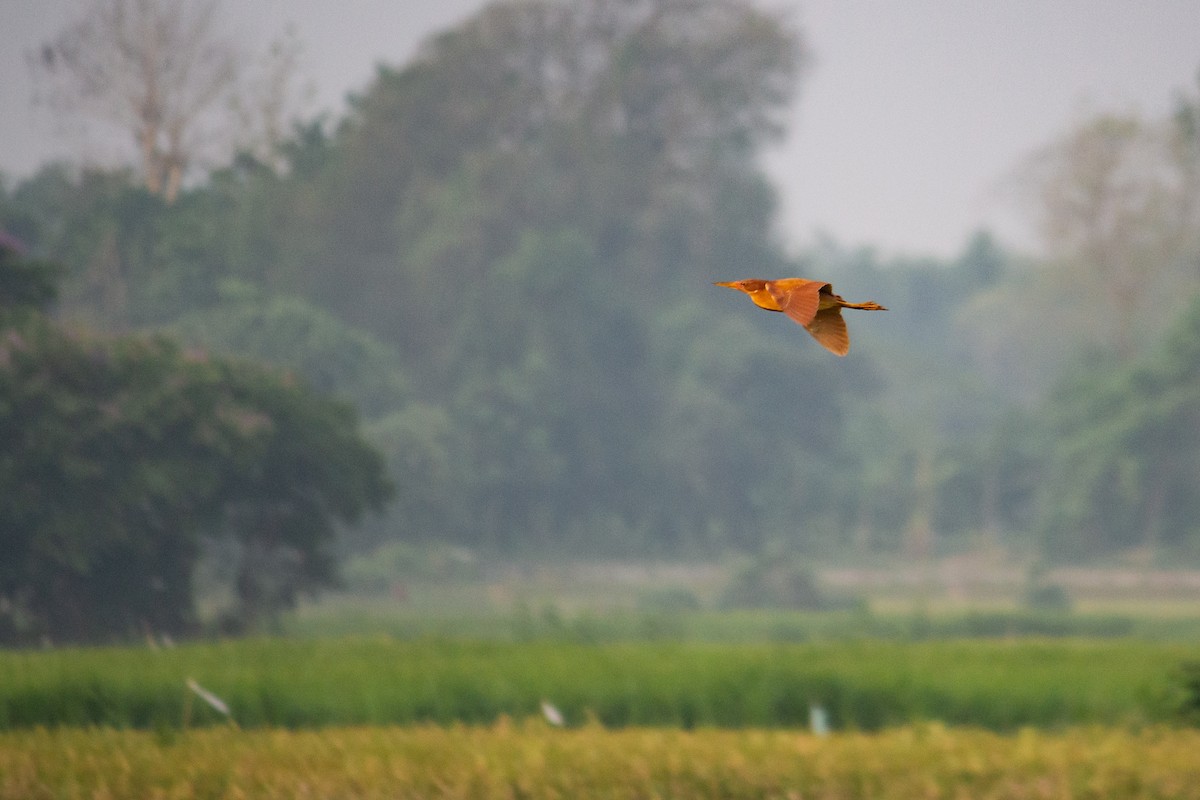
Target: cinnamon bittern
810	303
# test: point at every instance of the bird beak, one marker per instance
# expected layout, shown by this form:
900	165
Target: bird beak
729	285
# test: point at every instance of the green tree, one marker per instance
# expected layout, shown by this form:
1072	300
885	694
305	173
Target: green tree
289	333
118	457
25	286
299	470
528	217
1125	453
619	120
131	261
514	211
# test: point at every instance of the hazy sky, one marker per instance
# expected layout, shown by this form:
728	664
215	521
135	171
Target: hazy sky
909	119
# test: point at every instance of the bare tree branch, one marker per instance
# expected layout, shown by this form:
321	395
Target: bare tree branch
155	68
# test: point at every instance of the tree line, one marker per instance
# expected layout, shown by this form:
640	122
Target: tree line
502	256
124	457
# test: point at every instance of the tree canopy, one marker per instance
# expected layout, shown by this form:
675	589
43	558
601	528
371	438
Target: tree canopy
502	256
120	456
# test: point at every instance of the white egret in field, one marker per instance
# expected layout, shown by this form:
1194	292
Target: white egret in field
818	719
552	714
204	694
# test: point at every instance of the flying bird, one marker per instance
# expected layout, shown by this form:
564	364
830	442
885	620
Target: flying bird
810	303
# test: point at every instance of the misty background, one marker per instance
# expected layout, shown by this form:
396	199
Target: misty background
489	233
908	123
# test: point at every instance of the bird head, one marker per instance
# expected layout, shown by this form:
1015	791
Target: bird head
747	286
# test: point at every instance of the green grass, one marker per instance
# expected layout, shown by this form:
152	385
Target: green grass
365	616
864	684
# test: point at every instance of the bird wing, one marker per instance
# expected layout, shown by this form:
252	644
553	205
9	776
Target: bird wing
828	328
797	297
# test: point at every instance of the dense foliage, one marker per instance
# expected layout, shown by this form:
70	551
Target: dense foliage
122	455
518	266
502	256
1126	468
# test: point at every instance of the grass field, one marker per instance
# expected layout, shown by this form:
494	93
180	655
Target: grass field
657	705
452	593
434	692
531	760
864	685
338	616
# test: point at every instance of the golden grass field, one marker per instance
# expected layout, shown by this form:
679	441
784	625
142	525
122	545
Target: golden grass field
531	760
1107	709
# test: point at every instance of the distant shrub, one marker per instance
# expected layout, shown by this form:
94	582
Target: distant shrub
768	581
1186	688
381	569
1047	597
668	598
